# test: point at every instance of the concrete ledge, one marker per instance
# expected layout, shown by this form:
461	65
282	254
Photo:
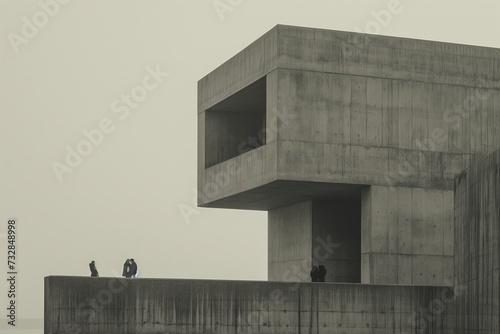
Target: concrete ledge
120	306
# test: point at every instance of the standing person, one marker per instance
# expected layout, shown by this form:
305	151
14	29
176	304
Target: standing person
93	270
126	269
133	268
314	274
321	273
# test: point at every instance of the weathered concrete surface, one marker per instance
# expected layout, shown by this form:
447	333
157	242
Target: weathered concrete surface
348	108
87	305
387	122
290	239
477	254
283	192
407	235
356	110
378	131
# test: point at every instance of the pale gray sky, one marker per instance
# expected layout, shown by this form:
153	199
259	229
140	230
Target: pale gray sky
64	73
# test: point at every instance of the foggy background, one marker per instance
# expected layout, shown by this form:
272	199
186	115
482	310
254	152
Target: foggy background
133	194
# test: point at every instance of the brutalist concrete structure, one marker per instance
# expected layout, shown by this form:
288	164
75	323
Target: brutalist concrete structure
350	136
353	144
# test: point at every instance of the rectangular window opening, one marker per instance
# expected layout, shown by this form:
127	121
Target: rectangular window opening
236	125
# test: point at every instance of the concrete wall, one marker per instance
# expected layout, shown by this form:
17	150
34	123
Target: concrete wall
382	56
407	236
290	241
87	305
477	252
379	131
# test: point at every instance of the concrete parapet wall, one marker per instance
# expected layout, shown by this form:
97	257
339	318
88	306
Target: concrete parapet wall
87	305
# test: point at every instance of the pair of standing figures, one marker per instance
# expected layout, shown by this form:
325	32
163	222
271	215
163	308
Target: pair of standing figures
129	268
318	274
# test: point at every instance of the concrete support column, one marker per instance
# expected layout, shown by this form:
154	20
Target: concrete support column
407	236
290	243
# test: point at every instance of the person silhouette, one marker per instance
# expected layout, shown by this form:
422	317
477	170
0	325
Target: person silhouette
314	274
93	270
133	268
126	269
321	273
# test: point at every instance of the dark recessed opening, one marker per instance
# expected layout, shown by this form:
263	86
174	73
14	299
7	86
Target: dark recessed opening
236	125
337	239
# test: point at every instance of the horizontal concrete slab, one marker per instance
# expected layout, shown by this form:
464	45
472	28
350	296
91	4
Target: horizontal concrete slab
348	108
277	194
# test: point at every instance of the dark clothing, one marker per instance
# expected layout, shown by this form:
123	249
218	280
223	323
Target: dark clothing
133	269
321	273
93	270
126	269
314	274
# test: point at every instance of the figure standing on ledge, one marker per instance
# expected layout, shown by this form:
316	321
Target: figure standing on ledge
321	273
93	270
133	268
314	274
126	269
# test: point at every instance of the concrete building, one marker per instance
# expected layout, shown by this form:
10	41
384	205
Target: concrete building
353	144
